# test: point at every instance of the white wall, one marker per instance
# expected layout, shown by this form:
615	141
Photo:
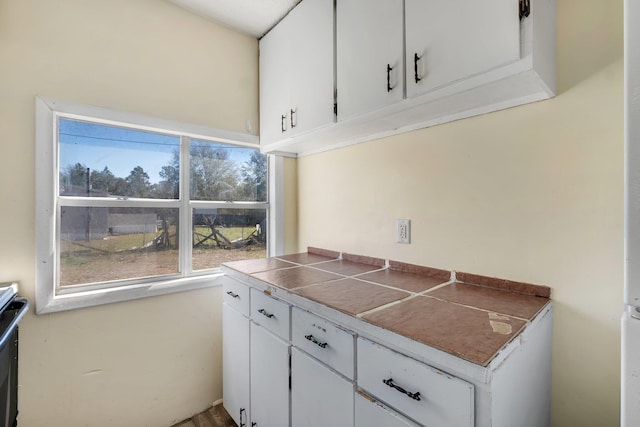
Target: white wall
149	362
532	194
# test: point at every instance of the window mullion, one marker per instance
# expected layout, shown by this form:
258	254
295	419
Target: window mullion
275	211
116	203
186	218
201	204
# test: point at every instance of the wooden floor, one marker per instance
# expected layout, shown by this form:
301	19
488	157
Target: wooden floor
212	417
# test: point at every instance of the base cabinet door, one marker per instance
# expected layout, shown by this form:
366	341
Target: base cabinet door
371	413
269	379
319	396
235	364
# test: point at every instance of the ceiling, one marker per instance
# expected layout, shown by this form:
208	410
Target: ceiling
253	17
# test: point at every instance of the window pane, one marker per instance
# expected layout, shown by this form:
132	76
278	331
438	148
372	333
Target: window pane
98	160
221	235
103	244
221	172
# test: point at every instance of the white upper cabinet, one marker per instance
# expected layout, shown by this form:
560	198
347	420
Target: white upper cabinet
369	55
274	86
297	73
398	66
449	40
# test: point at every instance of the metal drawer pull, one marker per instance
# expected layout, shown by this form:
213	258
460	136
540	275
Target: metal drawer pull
389	68
416	58
414	396
283	123
241	423
232	295
315	341
293	113
264	313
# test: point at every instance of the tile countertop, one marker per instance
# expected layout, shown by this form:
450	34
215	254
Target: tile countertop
471	317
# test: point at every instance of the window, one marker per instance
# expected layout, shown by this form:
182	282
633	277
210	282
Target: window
130	206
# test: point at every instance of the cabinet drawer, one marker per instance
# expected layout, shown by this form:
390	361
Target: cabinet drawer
274	315
236	295
426	395
324	341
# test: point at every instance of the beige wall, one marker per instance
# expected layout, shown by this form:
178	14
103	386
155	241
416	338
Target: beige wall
141	363
533	193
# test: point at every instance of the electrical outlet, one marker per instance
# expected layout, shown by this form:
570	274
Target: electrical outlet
403	231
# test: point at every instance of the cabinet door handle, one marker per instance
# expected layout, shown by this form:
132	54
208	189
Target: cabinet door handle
416	58
265	313
315	341
242	424
283	124
232	295
389	68
293	123
390	383
525	9
254	424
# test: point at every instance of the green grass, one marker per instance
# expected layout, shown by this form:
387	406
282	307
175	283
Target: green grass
76	260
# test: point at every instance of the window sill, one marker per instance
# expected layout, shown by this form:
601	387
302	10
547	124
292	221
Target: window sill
75	300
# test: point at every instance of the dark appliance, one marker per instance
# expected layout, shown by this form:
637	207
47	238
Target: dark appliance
12	308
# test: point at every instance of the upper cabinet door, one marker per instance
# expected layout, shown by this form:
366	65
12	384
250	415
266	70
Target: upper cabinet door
311	65
274	88
297	72
449	40
370	60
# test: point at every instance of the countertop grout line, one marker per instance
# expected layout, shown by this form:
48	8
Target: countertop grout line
347	275
436	287
511	316
384	306
310	285
385	285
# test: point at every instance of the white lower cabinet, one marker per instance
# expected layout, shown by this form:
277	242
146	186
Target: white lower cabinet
269	379
235	360
319	396
289	362
371	413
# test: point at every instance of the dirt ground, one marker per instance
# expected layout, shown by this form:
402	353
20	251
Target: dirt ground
135	264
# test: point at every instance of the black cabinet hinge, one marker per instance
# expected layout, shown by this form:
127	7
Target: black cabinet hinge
525	8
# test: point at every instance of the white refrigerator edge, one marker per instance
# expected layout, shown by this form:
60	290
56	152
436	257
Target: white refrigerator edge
630	363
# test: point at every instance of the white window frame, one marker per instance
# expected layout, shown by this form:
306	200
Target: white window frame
51	298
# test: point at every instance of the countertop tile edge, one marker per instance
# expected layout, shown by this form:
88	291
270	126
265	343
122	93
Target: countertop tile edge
504	284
